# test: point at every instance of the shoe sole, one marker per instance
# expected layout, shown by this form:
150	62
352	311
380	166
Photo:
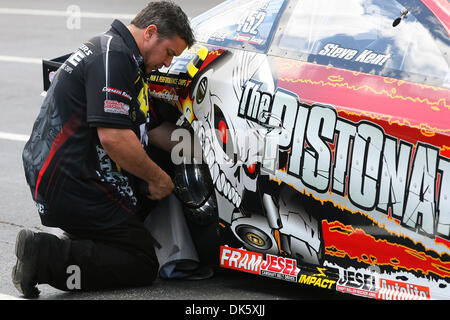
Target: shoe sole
23	245
23	241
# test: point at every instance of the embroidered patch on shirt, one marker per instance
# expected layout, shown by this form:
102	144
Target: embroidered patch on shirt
112	106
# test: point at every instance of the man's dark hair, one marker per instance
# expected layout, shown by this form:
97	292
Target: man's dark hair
168	17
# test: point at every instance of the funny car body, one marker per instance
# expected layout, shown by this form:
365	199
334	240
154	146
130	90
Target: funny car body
324	136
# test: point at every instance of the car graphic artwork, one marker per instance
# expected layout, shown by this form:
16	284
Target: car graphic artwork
325	132
324	137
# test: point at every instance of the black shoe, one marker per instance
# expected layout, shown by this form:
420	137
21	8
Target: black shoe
25	271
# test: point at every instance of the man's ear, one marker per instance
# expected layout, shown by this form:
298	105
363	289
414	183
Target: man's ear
150	31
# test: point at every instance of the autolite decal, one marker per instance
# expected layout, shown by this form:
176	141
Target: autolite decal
252	262
395	290
374	170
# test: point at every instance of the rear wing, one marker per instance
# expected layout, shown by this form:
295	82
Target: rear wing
49	68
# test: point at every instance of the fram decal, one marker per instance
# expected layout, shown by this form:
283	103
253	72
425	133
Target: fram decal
252	262
242	260
374	170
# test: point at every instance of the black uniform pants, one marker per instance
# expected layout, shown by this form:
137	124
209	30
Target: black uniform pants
117	257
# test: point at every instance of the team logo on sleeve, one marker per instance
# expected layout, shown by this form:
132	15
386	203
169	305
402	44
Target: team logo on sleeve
113	106
118	92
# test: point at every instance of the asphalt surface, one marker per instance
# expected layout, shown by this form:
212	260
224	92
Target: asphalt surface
27	36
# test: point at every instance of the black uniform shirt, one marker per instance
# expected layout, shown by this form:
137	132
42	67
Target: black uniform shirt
74	182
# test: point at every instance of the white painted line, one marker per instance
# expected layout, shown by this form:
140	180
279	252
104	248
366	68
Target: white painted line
8	297
67	13
14	136
20	59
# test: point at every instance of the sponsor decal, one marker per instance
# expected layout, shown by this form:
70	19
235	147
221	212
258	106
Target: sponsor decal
79	55
242	260
118	92
252	21
165	95
396	290
169	80
357	283
143	99
73	61
51	76
252	262
319	279
374	170
366	56
113	106
280	268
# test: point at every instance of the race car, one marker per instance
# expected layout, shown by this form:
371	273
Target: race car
323	141
321	150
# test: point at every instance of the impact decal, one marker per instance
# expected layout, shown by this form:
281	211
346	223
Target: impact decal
252	262
374	170
320	279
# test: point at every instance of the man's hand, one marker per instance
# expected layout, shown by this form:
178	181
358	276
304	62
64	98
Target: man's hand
160	188
124	148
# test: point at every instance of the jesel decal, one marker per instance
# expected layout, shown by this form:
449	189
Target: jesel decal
376	171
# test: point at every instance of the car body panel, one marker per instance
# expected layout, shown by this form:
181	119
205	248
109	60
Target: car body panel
441	10
353	193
